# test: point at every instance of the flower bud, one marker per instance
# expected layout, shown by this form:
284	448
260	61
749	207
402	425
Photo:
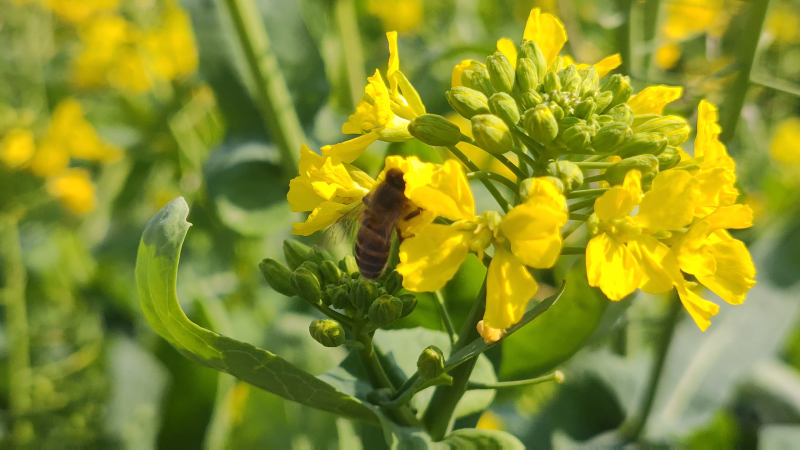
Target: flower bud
551	82
541	124
295	253
385	310
527	77
646	164
435	130
602	100
674	128
339	296
478	79
277	276
621	113
529	50
306	285
668	159
585	109
590	82
643	143
313	268
492	134
501	73
348	265
526	190
467	102
430	363
577	138
610	136
570	174
393	282
639	119
504	106
570	80
409	303
327	332
330	273
530	99
362	294
558	111
317	255
620	89
601	120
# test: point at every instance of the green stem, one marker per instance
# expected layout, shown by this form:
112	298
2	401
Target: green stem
571	229
377	376
13	297
503	160
573	250
438	416
341	318
587	193
273	97
535	147
489	186
352	50
594	165
633	426
624	35
582	204
576	216
745	55
525	158
649	29
482	174
600	177
448	323
596	158
555	376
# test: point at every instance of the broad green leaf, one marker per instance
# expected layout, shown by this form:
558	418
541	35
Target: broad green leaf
156	274
483	439
559	333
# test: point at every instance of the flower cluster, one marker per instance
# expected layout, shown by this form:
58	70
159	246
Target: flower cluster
69	136
655	216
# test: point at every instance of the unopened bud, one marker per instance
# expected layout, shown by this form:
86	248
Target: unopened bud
435	130
570	174
313	268
577	138
348	265
529	186
529	50
527	77
385	310
530	99
620	88
558	111
639	119
551	82
590	82
504	106
646	164
621	113
674	128
330	273
393	282
492	134
295	253
362	294
500	72
306	285
277	276
327	332
643	143
541	124
610	136
570	80
317	255
602	100
339	296
668	159
430	363
478	78
409	303
585	109
468	102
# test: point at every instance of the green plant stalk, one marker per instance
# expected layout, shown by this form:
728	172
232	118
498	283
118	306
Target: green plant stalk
493	176
438	416
13	297
273	97
582	204
573	250
474	168
535	147
633	426
624	35
571	229
746	53
345	12
594	165
577	216
586	193
512	384
448	323
503	160
649	28
377	376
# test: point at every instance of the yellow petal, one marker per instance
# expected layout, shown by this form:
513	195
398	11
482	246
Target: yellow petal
489	334
653	99
508	48
668	55
534	227
323	216
350	150
394	61
735	272
509	288
75	190
669	205
50	159
309	160
700	309
455	78
716	187
431	258
658	264
17	147
692	250
706	143
731	217
302	196
620	200
611	267
547	32
607	64
373	111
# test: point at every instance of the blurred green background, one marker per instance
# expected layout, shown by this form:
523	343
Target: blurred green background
111	108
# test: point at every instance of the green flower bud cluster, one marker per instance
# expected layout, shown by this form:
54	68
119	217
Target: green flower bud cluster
564	110
313	275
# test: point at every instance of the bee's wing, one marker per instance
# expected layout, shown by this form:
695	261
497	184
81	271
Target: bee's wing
344	229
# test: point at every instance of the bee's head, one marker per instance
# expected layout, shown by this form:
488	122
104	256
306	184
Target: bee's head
394	177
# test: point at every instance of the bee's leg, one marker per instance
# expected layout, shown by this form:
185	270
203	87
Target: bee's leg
413	214
400	237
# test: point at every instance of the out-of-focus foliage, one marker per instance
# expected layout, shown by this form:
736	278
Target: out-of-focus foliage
109	109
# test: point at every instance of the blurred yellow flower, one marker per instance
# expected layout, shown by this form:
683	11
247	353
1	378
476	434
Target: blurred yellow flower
50	159
74	189
784	24
17	148
687	18
70	130
171	46
490	421
80	10
785	145
397	15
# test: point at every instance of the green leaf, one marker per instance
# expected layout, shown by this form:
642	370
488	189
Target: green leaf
483	439
559	333
156	275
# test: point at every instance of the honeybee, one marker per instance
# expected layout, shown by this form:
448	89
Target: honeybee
383	208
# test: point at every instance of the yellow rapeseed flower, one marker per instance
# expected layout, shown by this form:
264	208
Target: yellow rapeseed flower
74	189
687	18
717	170
78	11
398	15
653	99
171	45
784	24
69	129
785	145
17	148
383	113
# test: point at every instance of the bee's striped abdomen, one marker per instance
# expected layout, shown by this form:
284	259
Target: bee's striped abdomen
372	248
